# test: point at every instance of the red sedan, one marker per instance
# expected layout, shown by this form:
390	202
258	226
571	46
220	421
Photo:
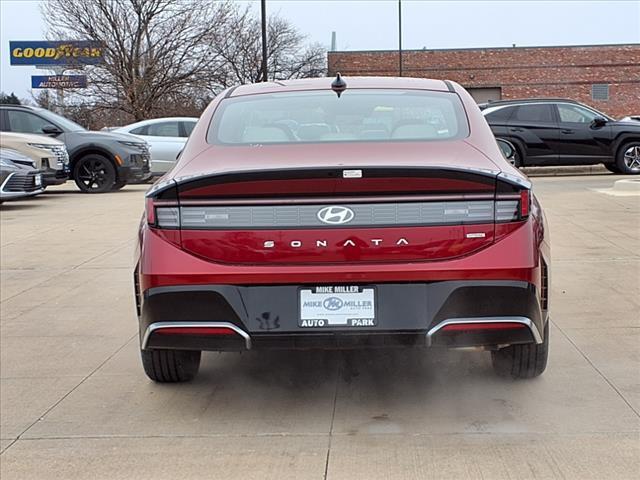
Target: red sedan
353	213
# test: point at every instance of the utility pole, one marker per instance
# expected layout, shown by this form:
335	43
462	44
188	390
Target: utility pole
400	37
263	8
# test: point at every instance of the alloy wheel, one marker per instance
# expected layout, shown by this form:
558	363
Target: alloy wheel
93	174
632	157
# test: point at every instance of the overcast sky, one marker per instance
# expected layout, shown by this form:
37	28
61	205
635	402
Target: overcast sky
372	25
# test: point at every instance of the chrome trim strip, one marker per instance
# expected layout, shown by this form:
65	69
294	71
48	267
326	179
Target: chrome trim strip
332	199
15	195
159	325
455	321
515	180
308	216
6	180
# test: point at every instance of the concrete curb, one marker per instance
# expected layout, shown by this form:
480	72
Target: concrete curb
566	171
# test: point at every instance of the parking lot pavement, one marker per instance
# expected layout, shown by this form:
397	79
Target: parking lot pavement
75	403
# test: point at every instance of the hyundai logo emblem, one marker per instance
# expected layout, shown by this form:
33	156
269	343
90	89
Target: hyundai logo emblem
335	215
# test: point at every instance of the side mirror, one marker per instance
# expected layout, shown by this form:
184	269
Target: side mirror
51	130
508	150
599	122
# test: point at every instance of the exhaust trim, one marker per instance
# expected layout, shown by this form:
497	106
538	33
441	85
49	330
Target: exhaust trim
160	325
459	321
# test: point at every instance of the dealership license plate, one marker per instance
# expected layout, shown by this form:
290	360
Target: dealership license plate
38	180
337	306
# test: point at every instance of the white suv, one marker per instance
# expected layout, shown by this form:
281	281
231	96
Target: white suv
50	155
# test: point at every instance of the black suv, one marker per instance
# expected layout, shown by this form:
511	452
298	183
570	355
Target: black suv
99	161
564	132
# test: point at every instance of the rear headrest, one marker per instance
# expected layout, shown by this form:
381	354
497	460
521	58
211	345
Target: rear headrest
414	131
371	134
264	135
335	137
312	131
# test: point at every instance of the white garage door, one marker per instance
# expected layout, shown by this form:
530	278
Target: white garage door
483	95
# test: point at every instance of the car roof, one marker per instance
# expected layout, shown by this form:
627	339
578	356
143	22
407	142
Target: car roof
13	105
325	83
151	121
167	119
517	101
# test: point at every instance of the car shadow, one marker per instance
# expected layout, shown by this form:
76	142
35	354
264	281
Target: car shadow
61	191
21	204
76	192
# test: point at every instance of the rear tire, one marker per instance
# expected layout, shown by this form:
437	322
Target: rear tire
612	167
628	158
522	361
118	185
94	174
517	158
171	366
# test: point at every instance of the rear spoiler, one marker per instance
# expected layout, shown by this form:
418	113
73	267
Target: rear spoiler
157	190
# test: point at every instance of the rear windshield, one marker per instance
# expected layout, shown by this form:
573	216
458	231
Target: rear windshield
357	116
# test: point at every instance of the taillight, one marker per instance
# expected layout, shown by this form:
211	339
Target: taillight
161	205
513	207
167	217
150	210
525	203
162	217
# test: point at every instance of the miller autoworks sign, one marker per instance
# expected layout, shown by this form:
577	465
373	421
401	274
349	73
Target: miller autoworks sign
58	81
58	53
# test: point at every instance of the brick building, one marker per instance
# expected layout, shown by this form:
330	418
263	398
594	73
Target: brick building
606	77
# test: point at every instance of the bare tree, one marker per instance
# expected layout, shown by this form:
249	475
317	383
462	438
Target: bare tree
171	56
154	49
43	99
238	45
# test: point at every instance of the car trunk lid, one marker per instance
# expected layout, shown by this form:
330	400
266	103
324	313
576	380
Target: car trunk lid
378	211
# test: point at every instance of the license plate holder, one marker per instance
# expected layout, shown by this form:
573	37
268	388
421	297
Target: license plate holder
350	306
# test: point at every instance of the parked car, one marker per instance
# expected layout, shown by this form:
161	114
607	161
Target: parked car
50	155
18	176
99	161
565	132
369	212
166	138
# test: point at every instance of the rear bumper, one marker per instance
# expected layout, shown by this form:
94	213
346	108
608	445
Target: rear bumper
408	314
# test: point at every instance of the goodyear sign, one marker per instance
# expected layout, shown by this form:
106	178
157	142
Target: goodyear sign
74	52
58	81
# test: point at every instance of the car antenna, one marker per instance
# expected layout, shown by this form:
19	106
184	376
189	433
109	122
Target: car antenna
338	85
